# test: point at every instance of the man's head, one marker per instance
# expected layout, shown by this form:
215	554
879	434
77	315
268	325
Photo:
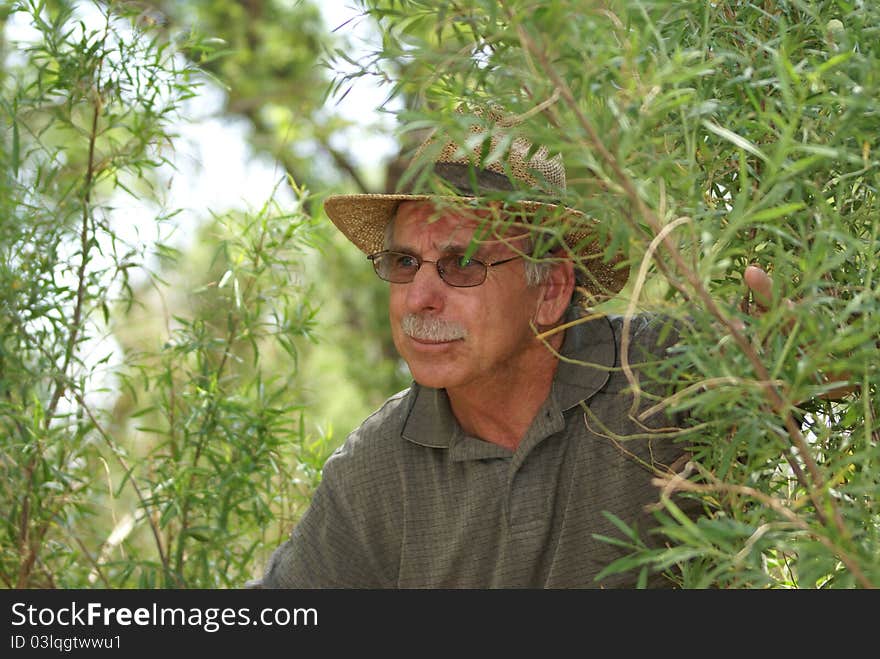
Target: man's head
467	291
463	310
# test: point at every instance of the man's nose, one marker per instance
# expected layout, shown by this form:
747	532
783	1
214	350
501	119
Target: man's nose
427	290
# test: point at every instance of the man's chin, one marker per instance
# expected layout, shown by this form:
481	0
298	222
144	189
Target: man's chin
432	378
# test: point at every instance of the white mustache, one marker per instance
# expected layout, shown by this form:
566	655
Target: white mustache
427	328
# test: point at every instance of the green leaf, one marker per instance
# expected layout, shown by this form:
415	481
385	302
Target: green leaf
768	214
733	138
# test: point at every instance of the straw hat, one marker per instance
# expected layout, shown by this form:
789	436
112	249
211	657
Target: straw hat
527	179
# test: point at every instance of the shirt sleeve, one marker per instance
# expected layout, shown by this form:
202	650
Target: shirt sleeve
346	538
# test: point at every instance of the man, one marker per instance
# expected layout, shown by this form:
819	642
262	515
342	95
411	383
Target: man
502	464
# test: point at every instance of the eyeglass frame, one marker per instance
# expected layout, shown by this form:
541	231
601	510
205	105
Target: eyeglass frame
437	264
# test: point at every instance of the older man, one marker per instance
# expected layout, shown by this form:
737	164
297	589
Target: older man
502	464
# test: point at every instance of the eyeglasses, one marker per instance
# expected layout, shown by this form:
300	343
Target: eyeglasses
455	269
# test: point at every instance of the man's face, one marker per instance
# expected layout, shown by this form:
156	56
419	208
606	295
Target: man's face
453	337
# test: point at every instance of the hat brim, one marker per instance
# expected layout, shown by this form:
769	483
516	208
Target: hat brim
362	218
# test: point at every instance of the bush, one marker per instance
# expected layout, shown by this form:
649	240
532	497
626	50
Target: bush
131	460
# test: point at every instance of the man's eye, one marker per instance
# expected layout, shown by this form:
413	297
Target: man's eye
463	262
405	261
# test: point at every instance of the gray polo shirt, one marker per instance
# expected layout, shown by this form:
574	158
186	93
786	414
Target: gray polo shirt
411	501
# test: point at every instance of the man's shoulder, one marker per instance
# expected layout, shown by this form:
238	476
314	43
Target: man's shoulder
602	337
641	324
388	418
650	331
376	439
648	364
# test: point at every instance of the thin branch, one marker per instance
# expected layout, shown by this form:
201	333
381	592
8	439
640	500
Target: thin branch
210	418
60	384
345	165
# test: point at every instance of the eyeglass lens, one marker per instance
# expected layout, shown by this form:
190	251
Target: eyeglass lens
454	269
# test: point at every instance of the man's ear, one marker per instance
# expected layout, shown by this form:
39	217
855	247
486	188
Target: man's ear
556	294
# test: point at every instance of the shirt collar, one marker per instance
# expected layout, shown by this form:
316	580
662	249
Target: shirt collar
588	353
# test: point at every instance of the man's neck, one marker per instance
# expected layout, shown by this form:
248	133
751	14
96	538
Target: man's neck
502	410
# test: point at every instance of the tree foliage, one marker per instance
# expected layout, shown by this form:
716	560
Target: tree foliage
173	459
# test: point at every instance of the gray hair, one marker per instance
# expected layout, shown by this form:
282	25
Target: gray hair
538	272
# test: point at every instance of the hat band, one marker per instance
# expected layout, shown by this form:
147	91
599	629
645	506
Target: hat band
469	180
